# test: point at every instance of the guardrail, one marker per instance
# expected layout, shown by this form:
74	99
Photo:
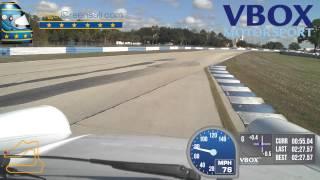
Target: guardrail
14	51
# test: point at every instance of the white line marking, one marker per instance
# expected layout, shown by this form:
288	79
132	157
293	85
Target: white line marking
228	81
217	69
245	100
220	72
236	88
218	66
223	75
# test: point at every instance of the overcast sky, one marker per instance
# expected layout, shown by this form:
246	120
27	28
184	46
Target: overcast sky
193	14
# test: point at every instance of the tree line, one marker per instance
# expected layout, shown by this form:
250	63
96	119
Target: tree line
154	35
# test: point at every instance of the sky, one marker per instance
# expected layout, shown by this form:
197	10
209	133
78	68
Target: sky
192	14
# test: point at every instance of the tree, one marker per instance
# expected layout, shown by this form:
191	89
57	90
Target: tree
314	37
146	35
203	37
294	46
242	43
273	45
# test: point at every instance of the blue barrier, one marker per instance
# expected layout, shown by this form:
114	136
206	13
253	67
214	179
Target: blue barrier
137	49
164	48
72	50
5	51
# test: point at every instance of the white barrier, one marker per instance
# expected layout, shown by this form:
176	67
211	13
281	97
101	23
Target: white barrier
224	48
115	49
37	50
174	47
152	48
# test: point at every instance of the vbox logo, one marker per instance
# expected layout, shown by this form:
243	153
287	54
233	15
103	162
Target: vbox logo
250	160
257	12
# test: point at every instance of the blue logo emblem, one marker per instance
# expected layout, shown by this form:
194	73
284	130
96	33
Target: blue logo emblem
256	16
15	27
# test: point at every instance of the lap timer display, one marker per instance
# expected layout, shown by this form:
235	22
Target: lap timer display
212	152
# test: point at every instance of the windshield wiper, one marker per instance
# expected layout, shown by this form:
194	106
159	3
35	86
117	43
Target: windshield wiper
171	170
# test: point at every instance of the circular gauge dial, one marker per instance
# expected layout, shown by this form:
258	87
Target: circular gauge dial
213	152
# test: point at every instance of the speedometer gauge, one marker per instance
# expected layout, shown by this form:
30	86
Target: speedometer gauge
212	152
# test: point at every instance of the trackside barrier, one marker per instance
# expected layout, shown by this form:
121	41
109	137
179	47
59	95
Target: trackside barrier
11	51
73	50
115	49
36	50
164	48
140	49
301	54
4	51
174	47
224	48
152	48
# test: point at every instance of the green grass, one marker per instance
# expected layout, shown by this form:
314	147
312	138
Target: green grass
20	58
290	84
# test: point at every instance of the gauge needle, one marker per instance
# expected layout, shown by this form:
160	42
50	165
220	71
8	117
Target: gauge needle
212	152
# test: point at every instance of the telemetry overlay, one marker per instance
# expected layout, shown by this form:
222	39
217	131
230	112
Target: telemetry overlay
267	149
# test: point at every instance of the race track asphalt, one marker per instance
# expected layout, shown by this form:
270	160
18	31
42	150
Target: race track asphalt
165	94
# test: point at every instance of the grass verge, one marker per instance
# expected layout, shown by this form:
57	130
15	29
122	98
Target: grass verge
290	84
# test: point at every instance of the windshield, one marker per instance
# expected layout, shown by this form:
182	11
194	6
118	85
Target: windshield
162	89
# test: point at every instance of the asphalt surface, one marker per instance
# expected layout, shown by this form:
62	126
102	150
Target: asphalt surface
164	94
